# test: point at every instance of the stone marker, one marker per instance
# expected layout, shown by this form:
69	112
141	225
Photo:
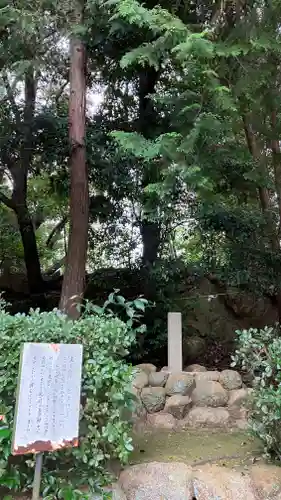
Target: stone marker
174	342
48	400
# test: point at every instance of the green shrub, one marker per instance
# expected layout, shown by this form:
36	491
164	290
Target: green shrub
259	353
104	432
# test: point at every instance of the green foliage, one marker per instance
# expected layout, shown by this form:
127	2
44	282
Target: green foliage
217	74
231	237
259	353
11	251
136	144
157	19
104	432
194	174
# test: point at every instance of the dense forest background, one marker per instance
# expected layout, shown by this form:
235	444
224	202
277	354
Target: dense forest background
182	149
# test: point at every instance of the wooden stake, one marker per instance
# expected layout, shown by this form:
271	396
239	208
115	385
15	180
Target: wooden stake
37	476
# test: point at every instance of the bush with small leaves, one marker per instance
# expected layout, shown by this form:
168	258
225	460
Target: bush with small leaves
259	353
106	395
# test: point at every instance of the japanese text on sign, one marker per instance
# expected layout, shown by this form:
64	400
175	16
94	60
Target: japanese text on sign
48	402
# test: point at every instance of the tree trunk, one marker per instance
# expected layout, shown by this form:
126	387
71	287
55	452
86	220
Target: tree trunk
263	192
276	156
147	123
31	257
264	195
150	233
74	277
253	148
26	228
56	232
19	172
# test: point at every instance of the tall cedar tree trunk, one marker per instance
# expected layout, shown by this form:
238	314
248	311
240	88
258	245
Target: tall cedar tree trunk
74	278
150	230
263	191
19	172
276	156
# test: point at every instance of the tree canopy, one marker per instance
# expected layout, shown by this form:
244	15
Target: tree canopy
182	137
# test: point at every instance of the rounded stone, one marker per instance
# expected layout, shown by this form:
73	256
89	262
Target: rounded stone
237	413
155	481
147	367
180	383
221	483
178	406
209	393
238	397
158	379
209	417
242	425
230	380
161	420
140	379
212	375
153	398
138	411
195	368
267	481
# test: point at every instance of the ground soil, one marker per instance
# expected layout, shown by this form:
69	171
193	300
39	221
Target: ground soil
230	449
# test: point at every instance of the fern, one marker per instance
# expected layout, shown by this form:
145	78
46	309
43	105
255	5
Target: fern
158	20
136	144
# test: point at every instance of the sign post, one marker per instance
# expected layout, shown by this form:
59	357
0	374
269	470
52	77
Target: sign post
48	402
37	476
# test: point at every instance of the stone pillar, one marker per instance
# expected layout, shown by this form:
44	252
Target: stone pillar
174	342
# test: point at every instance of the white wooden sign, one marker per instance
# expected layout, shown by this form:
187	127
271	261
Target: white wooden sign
48	400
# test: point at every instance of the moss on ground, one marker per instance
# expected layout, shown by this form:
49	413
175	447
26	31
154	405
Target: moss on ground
228	448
